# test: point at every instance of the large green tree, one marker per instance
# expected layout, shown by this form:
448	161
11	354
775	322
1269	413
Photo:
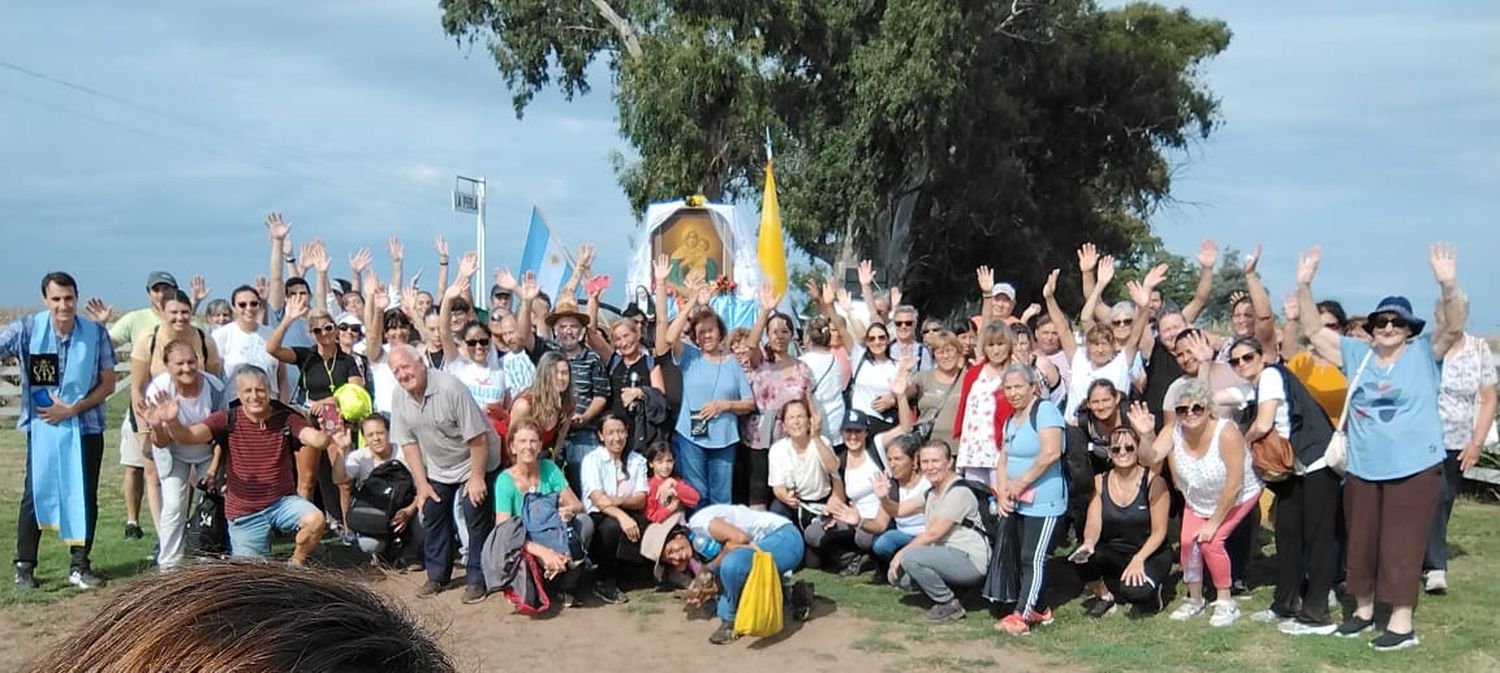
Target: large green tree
930	135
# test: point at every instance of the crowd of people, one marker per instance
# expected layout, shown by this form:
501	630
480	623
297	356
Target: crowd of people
545	451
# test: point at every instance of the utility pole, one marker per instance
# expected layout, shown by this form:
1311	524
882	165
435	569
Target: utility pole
468	197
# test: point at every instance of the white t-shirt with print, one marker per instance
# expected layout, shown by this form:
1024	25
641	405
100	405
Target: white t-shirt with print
238	347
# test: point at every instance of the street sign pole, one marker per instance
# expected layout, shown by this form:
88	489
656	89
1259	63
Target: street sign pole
471	200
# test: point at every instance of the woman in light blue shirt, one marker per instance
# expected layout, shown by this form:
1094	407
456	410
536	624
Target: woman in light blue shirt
715	393
1032	496
1395	443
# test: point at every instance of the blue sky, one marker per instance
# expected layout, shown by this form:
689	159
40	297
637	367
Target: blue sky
1368	127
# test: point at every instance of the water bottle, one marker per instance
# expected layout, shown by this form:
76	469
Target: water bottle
705	545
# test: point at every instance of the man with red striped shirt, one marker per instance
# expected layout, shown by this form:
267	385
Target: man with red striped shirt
260	492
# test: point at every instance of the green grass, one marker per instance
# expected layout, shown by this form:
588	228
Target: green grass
1458	630
113	556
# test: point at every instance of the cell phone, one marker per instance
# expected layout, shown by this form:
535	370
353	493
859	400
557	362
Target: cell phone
1027	496
1082	555
41	399
698	427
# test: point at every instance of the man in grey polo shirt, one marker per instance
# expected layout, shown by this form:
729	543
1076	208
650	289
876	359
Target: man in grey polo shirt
453	452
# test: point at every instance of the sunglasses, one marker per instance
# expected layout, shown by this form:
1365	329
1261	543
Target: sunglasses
877	338
321	330
247	304
1243	359
475	343
932	330
1123	322
905	323
349	328
1122	448
1190	410
1381	321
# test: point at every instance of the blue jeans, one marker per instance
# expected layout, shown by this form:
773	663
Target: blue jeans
250	534
710	471
889	542
579	443
438	523
785	545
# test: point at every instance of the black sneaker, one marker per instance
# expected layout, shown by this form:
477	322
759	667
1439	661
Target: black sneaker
475	593
609	593
25	576
802	601
83	578
950	611
857	564
1390	642
1100	607
1354	626
133	531
429	589
724	634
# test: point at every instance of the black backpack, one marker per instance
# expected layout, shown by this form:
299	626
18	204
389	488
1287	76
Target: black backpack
376	500
208	528
989	517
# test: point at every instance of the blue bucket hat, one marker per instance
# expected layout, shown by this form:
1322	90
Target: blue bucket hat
1400	306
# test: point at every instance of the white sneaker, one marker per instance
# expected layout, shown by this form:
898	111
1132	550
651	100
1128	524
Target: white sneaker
1187	610
1437	581
1265	616
1225	613
1293	627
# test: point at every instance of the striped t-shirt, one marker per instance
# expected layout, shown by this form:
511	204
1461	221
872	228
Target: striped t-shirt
259	471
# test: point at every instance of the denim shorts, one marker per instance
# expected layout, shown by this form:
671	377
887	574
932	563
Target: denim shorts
250	534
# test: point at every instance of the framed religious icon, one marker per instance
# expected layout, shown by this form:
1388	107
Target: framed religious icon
691	240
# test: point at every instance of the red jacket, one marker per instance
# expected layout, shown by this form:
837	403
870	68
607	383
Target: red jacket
1002	406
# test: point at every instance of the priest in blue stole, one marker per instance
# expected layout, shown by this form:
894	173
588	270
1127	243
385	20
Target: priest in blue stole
67	365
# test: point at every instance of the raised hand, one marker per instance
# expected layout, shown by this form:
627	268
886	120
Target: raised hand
441	245
1032	310
1154	277
505	279
468	264
866	272
409	300
845	301
585	255
1291	309
1198	345
198	288
1140	293
162	408
305	253
319	256
1252	259
359	261
1106	270
394	248
880	483
378	295
1049	289
261	285
1141	419
458	287
1237	296
296	307
986	279
276	228
1208	253
661	269
828	292
529	288
1088	257
895	296
1307	265
98	311
813	294
1443	259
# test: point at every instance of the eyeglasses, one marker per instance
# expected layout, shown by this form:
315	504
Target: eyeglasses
1122	448
247	304
321	330
1123	322
1381	321
1243	359
350	328
1190	409
905	323
475	343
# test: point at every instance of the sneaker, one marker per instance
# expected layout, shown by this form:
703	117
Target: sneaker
1353	627
1297	627
610	594
429	589
1266	616
857	565
348	538
724	634
475	593
25	576
83	578
802	601
133	531
1437	581
1390	642
949	611
1100	607
1225	613
1043	617
1013	624
1187	610
1238	589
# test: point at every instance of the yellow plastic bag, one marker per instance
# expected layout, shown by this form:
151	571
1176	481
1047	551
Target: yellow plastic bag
759	613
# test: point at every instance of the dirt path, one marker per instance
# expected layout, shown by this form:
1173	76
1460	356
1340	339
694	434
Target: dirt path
630	637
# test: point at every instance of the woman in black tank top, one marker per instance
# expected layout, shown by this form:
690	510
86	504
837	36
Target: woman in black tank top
1124	556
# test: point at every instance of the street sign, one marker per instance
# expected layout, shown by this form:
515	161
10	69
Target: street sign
466	196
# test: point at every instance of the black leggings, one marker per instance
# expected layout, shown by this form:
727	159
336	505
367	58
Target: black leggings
1109	562
610	546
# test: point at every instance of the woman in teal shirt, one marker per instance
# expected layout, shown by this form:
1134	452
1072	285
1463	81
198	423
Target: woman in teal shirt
1395	443
532	474
1032	496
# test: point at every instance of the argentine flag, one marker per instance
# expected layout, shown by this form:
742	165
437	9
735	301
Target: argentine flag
545	255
